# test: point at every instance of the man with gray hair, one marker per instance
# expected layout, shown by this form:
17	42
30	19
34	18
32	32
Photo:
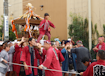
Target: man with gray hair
81	53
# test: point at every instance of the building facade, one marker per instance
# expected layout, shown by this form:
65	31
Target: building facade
59	11
58	15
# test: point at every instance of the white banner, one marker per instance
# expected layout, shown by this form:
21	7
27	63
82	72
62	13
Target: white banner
6	26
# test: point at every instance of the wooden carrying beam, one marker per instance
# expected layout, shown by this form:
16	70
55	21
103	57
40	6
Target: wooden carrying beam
23	22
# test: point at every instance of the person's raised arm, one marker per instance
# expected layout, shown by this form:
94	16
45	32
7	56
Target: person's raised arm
22	40
95	49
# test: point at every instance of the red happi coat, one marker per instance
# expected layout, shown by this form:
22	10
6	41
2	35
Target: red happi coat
42	25
51	62
60	50
16	59
102	48
26	57
60	56
42	58
95	69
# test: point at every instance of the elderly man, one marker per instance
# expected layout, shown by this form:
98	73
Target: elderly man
81	53
51	61
60	56
100	45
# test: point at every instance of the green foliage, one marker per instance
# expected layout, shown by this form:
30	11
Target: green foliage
12	36
104	29
94	33
78	29
93	54
1	27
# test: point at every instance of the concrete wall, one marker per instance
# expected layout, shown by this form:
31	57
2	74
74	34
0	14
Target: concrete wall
58	13
98	14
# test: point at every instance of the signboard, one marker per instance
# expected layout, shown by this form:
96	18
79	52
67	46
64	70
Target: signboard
6	28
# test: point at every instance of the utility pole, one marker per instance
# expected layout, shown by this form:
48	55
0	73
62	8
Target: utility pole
90	27
6	26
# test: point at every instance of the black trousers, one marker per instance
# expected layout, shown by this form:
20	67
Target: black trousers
22	73
40	72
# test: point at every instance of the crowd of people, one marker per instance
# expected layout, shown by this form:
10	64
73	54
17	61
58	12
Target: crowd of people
54	58
72	58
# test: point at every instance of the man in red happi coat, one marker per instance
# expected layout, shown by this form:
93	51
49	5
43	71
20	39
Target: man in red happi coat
29	58
96	68
44	27
17	55
51	61
43	53
60	56
100	45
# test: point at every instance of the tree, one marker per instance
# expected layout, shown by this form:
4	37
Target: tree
78	29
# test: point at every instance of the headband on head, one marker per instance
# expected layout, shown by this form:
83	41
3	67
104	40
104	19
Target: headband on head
47	41
79	41
100	38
